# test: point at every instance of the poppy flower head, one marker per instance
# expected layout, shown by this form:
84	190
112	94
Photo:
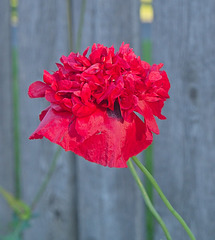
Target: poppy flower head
93	101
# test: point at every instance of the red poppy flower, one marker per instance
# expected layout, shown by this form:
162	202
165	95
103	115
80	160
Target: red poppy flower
93	101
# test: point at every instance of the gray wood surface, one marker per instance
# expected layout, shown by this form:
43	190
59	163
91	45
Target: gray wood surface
109	204
43	38
183	39
6	137
83	201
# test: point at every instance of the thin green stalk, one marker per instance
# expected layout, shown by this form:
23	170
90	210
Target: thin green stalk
15	89
69	22
80	26
47	179
147	200
149	161
81	23
17	168
149	189
165	200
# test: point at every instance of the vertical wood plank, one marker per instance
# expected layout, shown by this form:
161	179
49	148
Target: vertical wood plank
43	39
6	126
109	203
184	33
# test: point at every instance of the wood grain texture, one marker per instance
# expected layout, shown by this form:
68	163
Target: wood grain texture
109	202
43	39
6	126
183	39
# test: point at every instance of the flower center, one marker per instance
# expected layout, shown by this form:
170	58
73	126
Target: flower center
116	113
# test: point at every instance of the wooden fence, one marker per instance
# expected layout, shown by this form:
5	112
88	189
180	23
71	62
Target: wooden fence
183	38
89	202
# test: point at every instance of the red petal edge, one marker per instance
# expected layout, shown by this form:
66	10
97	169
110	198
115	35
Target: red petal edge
103	140
37	89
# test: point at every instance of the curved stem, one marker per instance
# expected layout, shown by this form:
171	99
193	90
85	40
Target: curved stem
47	179
147	200
149	219
163	197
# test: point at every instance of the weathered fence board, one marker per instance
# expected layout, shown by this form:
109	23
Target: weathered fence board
6	126
43	38
109	204
184	33
85	201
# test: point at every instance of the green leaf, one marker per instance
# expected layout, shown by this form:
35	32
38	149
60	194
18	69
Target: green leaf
18	229
18	206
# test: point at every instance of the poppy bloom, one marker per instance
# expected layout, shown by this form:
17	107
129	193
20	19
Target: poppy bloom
93	101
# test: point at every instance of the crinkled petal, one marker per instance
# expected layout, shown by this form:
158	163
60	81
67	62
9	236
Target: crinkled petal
37	89
82	110
43	113
154	76
50	95
47	77
156	108
93	100
109	141
85	51
85	93
54	126
93	69
144	109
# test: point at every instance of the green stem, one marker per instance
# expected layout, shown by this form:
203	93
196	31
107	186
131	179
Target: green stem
165	200
149	219
47	179
69	22
147	200
81	23
15	89
17	163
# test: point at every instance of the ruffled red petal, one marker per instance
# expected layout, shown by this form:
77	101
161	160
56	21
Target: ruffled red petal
144	109
98	138
37	89
93	100
109	141
47	77
54	126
